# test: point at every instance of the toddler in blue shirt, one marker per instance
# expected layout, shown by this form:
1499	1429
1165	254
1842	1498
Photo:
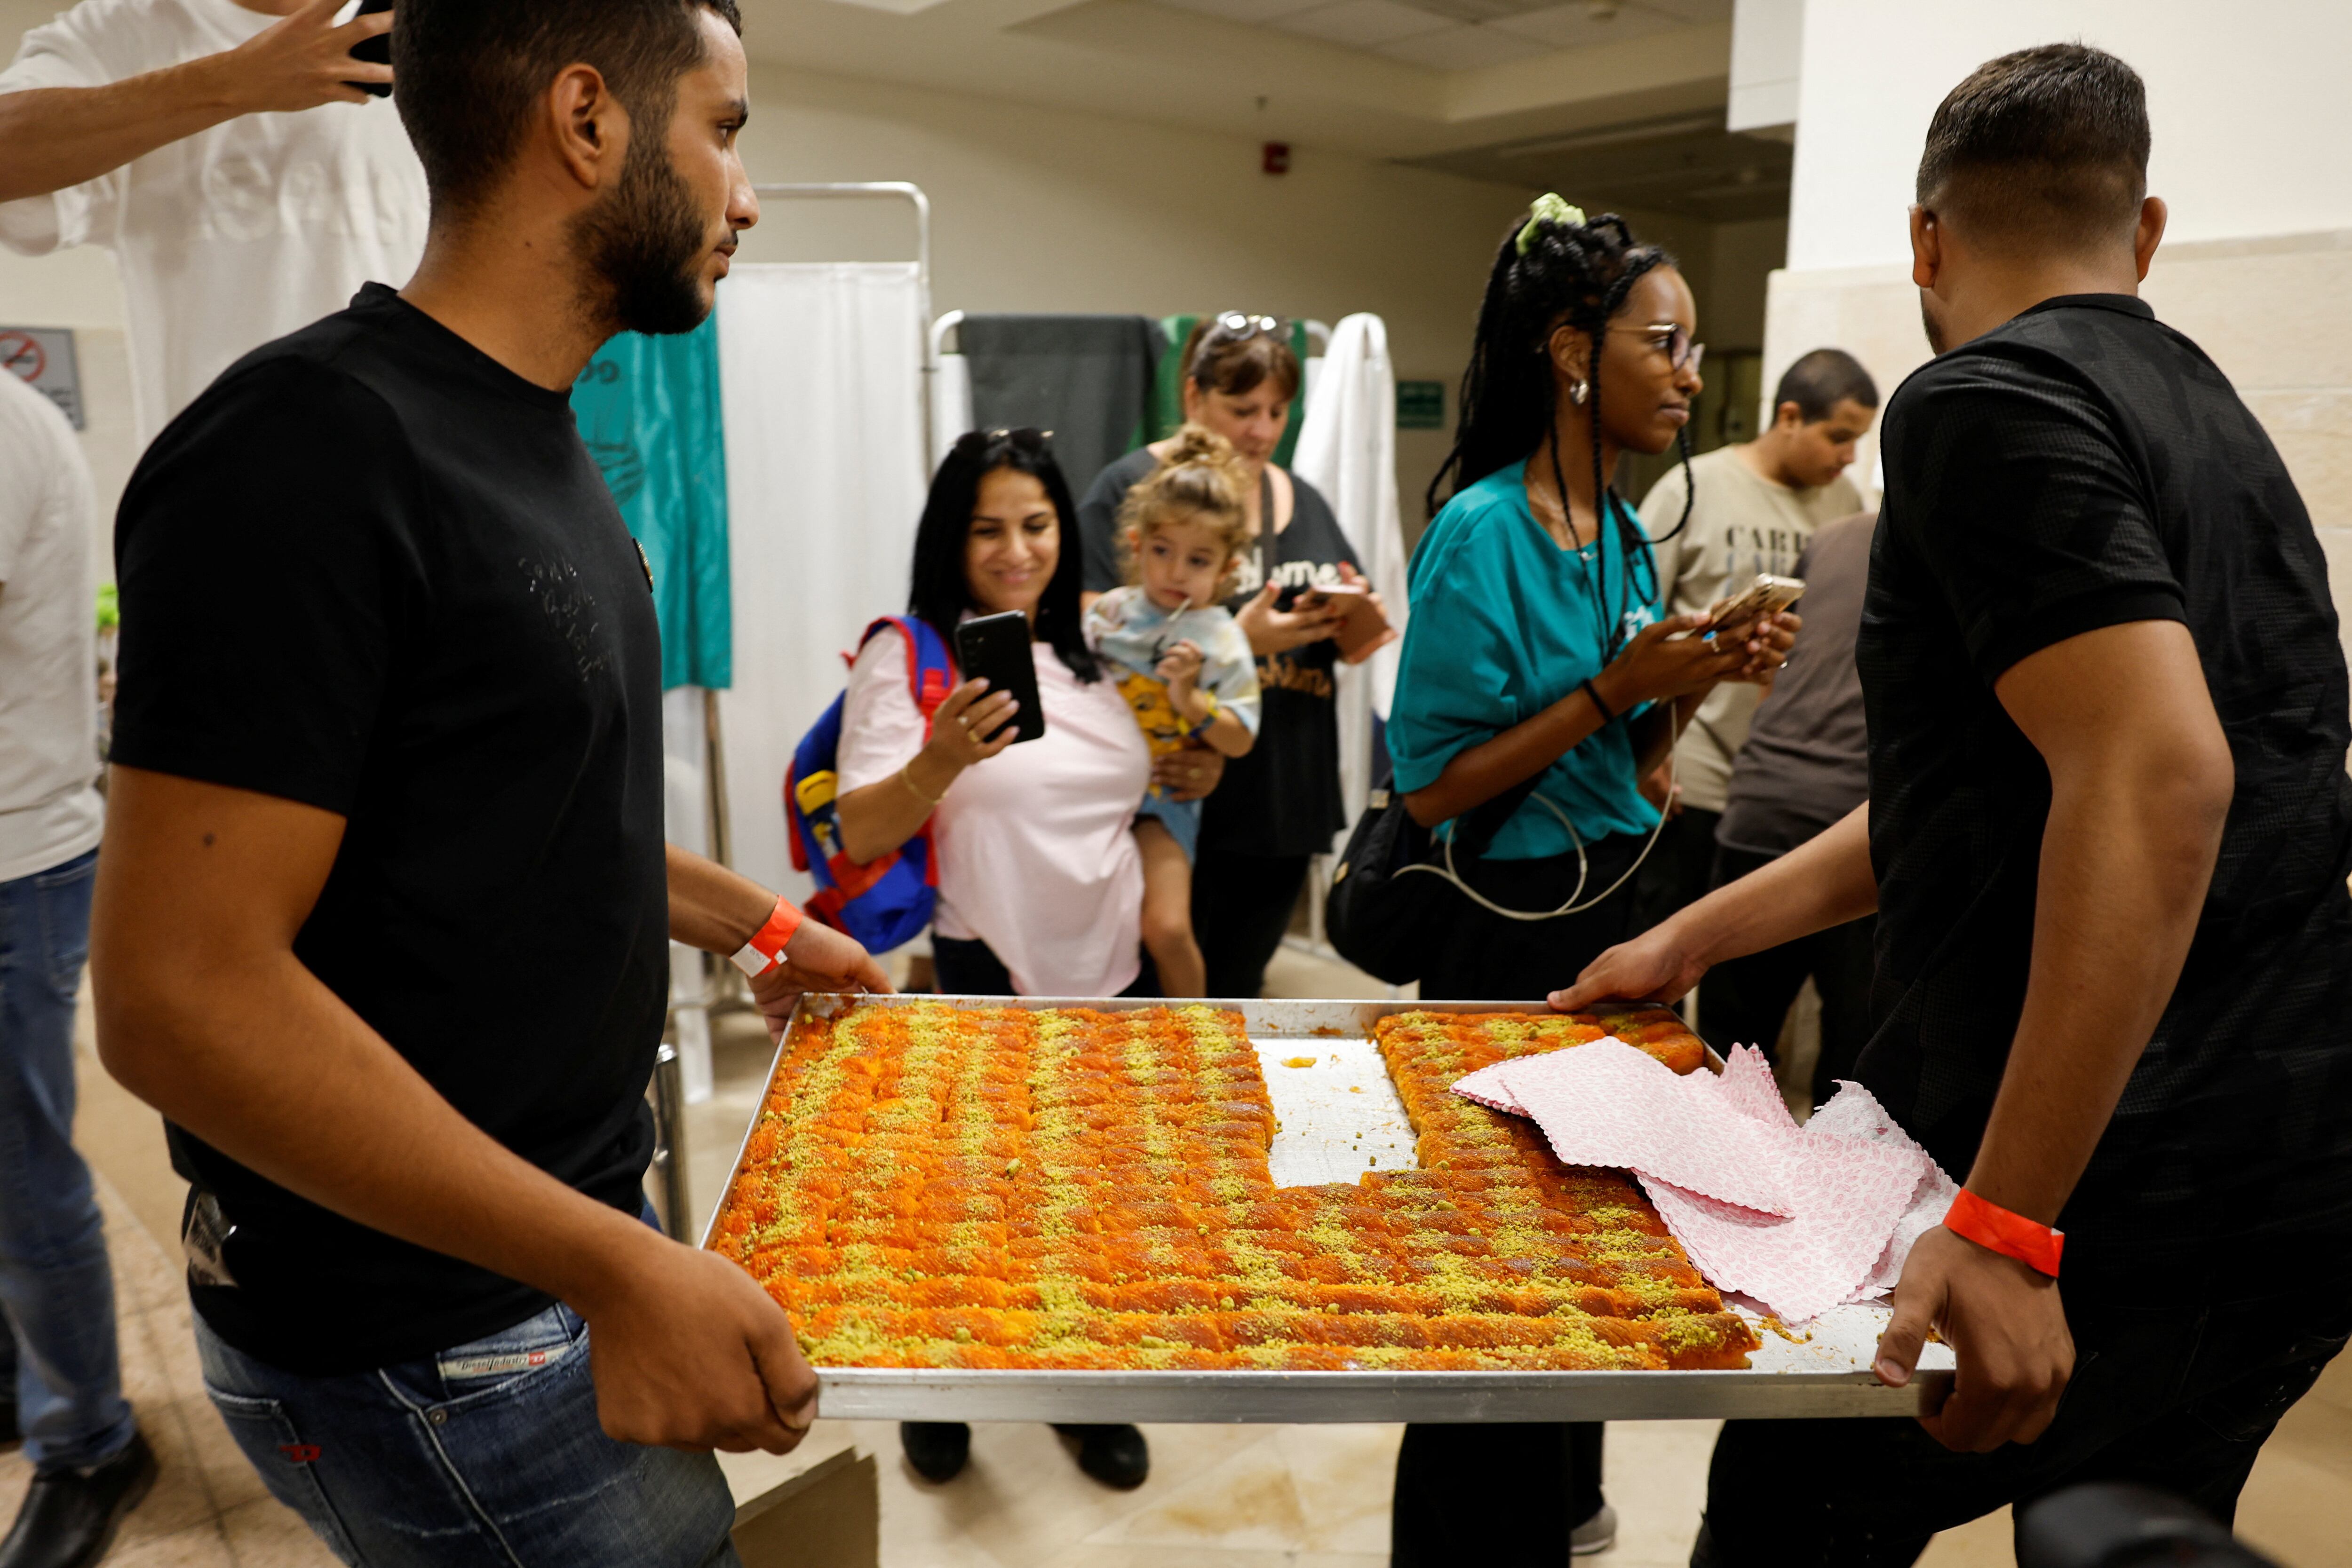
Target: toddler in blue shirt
1182	662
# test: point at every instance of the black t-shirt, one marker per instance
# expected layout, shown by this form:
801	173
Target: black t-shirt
2085	466
374	571
1283	797
1806	762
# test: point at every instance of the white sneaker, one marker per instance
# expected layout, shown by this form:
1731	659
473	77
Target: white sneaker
1596	1534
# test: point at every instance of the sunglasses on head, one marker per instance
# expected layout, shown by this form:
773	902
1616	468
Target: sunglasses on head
1028	438
1233	325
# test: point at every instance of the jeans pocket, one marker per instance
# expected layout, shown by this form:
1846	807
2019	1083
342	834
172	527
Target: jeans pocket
62	899
496	1364
287	1463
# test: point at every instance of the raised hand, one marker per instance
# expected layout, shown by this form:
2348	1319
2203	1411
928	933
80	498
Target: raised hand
303	62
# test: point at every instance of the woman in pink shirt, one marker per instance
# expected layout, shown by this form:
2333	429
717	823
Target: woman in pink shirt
1040	883
1040	886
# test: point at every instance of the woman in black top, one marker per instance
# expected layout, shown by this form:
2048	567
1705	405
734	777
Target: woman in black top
1279	806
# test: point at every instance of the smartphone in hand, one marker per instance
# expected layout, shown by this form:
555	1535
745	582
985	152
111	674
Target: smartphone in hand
1363	630
375	51
995	648
1768	595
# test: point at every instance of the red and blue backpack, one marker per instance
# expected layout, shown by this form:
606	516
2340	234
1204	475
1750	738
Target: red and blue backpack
885	902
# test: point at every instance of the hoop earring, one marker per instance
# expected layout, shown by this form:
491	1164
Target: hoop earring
1579	393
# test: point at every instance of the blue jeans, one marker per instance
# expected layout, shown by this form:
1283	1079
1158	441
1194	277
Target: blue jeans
485	1454
55	1281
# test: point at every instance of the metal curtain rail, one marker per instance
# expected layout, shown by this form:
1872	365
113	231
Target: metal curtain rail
899	190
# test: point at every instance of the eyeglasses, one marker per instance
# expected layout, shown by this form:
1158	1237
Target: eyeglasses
1233	324
1674	340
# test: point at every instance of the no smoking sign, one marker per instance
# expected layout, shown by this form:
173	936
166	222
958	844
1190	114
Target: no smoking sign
44	356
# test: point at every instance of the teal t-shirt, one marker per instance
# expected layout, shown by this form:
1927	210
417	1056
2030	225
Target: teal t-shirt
1505	623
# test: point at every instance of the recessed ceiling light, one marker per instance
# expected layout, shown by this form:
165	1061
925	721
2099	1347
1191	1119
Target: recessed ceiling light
1602	10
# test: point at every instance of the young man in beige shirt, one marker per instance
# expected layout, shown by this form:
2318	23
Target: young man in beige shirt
1759	504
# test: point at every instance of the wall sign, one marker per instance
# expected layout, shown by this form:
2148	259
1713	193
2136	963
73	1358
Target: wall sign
1421	405
45	357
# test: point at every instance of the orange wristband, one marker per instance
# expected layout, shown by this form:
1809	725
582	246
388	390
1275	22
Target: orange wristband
765	950
2011	1235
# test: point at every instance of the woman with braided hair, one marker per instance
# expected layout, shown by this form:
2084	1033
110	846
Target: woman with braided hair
1538	682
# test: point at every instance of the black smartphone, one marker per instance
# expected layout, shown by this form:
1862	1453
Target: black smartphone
995	648
376	51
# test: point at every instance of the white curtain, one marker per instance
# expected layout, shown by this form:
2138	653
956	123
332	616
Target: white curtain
684	820
1346	449
821	380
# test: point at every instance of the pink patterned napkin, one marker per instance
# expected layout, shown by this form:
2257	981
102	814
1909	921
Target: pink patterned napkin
1606	1104
1802	1219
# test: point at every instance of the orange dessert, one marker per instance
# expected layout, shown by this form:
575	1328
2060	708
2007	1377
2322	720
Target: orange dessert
935	1185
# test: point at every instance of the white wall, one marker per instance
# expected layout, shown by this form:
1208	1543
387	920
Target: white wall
2249	106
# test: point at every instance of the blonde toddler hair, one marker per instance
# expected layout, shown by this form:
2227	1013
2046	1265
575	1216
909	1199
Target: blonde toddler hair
1200	477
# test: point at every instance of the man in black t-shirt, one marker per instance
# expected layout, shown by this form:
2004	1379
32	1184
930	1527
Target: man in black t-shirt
2108	840
383	908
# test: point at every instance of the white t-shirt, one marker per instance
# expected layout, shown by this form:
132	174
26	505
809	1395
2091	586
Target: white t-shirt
1743	524
50	809
1036	848
236	235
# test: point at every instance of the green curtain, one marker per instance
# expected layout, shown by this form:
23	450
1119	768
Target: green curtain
1167	404
648	410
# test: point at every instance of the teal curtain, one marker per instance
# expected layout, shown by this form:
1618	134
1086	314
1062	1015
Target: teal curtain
1167	404
648	410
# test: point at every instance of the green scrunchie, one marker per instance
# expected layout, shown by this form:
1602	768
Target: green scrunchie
1548	209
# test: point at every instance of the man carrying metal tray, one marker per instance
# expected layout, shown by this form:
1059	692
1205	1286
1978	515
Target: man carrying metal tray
383	902
2108	840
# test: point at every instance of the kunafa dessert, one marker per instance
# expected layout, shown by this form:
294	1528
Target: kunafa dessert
932	1186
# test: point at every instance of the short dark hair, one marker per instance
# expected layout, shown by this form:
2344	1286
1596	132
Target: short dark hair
470	70
1220	357
1824	379
940	591
2046	146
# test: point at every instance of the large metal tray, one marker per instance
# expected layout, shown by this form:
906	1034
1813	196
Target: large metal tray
1339	1117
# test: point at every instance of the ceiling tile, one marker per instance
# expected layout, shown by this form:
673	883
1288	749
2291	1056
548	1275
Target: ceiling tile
1461	48
1573	26
1696	12
1362	23
1244	10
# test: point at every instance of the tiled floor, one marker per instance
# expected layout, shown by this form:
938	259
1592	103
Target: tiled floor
1219	1497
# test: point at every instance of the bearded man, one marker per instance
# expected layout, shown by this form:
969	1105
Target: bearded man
383	903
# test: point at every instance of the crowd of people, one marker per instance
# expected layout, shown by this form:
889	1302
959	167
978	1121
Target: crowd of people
2041	783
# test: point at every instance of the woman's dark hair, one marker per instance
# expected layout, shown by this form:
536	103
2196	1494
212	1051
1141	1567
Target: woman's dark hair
942	590
1551	271
1234	353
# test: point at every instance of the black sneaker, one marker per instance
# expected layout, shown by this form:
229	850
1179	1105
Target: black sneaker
69	1517
936	1450
1115	1456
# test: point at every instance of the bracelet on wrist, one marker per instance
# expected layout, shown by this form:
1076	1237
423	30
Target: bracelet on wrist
1592	694
765	950
907	776
2032	1243
1211	717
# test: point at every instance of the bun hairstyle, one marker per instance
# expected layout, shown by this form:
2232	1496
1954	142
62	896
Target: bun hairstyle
1234	353
1557	268
1199	478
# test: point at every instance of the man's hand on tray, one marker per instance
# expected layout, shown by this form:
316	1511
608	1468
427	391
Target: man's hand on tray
689	1353
1654	966
817	958
2007	1329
